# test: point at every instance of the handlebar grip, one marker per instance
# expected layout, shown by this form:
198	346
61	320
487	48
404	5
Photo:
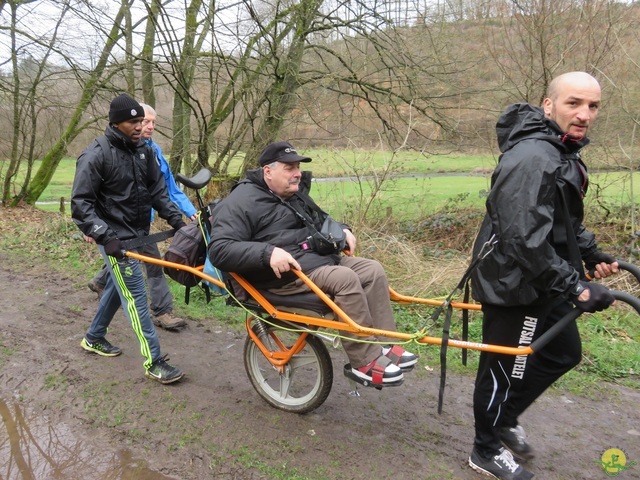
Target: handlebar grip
629	267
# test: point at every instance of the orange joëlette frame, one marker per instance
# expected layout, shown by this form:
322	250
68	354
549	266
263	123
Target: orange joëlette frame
345	324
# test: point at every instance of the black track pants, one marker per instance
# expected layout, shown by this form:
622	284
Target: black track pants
506	384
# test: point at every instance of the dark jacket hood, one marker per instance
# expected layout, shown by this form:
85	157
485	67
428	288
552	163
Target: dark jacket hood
523	121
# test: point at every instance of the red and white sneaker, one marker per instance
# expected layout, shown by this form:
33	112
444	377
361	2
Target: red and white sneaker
400	357
381	372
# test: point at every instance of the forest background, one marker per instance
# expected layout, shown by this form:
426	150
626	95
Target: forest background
227	77
373	90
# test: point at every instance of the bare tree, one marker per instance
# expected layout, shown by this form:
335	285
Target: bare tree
90	81
536	40
233	75
178	65
348	50
146	56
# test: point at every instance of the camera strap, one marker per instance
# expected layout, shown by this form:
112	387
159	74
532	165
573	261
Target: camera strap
306	199
306	245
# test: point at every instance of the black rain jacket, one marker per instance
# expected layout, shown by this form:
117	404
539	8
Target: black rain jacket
114	192
249	223
531	262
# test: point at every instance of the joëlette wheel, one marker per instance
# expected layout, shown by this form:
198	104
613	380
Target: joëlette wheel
306	380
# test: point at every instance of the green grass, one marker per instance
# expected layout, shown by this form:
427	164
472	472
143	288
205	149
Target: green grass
54	381
400	198
326	163
403	198
339	163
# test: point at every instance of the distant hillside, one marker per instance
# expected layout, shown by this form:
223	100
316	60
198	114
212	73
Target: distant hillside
474	68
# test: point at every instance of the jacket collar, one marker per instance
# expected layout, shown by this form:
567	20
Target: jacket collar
523	121
119	140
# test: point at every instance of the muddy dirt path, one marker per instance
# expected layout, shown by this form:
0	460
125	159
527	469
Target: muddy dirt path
213	425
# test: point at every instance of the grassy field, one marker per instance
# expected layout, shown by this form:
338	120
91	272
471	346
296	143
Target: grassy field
406	196
420	186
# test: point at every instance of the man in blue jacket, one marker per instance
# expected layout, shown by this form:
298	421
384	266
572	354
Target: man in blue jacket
117	184
161	299
534	275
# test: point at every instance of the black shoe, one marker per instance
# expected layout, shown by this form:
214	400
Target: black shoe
516	441
101	347
94	287
502	466
164	373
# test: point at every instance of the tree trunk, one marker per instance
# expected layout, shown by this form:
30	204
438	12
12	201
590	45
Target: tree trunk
56	153
147	64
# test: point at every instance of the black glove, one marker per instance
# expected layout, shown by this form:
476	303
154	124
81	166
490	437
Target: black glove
596	257
179	225
600	297
114	248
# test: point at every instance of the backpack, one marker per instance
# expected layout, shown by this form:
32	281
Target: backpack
189	247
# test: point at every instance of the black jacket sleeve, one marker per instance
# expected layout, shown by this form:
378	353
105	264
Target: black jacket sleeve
232	249
86	184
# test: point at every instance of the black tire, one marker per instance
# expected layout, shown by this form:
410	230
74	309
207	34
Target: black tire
307	378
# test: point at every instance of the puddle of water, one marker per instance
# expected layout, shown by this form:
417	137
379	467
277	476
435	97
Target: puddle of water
33	449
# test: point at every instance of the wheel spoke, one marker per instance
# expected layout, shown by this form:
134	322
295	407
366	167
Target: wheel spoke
301	360
285	382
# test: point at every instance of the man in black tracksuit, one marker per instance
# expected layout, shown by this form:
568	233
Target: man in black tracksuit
117	183
534	275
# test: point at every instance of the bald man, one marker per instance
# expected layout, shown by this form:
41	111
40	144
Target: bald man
535	273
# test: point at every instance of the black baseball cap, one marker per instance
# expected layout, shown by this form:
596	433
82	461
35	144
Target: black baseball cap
280	152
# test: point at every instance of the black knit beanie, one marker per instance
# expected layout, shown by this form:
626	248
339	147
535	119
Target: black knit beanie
123	108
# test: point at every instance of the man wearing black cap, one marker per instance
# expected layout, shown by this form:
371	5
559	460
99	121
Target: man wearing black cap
261	232
117	183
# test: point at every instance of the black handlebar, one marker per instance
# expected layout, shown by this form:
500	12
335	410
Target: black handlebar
629	267
575	313
198	181
627	298
547	336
